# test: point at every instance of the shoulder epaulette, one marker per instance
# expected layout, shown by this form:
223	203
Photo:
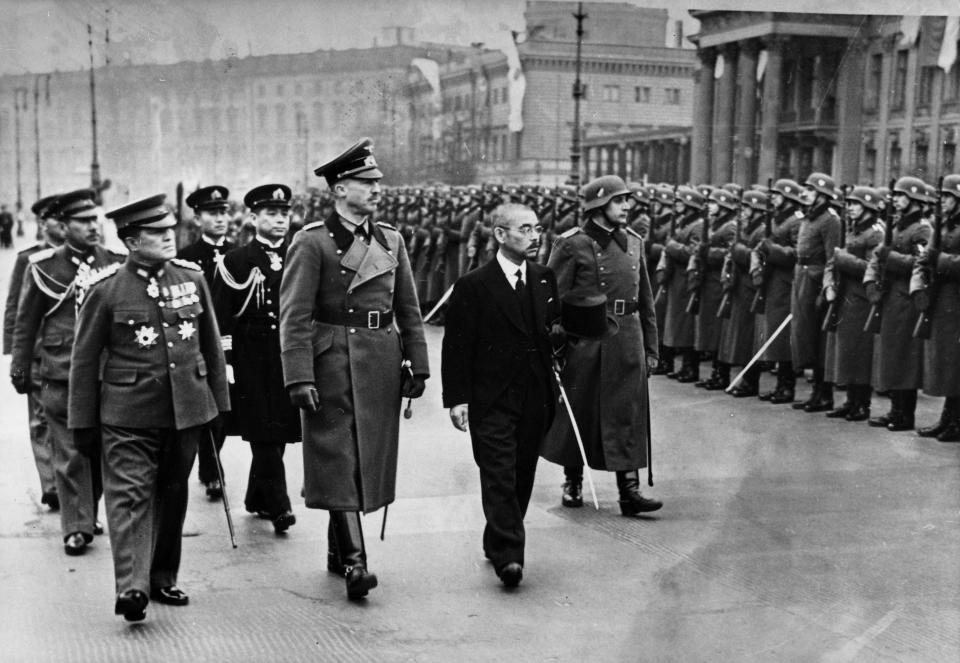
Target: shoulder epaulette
42	254
33	247
570	233
631	231
180	262
384	224
118	250
312	225
104	273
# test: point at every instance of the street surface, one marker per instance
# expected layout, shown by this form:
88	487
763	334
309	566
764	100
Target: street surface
784	537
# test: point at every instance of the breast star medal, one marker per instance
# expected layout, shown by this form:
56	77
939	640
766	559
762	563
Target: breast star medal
186	330
146	336
276	262
153	289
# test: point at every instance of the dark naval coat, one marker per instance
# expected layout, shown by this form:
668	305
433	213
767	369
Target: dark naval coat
349	317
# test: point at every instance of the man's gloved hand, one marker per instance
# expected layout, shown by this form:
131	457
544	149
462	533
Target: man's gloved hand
21	381
87	441
883	252
304	395
874	294
413	385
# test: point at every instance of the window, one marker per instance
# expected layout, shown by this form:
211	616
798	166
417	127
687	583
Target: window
896	156
874	81
898	92
280	90
951	84
641	95
611	93
921	150
789	82
503	94
281	117
807	75
261	117
672	96
870	163
925	88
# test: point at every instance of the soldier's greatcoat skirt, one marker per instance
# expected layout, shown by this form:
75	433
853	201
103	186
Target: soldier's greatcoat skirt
350	445
817	236
707	337
736	336
679	327
941	367
897	355
778	286
605	380
850	349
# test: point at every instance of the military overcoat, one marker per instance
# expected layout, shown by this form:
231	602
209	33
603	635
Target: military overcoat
778	284
707	336
605	380
336	298
736	335
679	327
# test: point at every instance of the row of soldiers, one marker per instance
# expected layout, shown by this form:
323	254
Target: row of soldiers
856	283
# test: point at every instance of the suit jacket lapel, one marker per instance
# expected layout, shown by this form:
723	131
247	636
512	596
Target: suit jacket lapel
495	281
540	292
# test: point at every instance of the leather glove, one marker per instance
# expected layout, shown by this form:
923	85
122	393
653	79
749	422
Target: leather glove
829	293
413	385
87	441
874	295
304	396
661	277
703	250
883	252
21	381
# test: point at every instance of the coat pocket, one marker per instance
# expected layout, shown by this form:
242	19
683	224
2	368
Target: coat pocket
130	317
120	375
52	341
322	340
201	367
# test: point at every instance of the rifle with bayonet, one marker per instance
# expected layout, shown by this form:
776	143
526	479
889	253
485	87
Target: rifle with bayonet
832	318
930	283
663	264
728	273
759	303
872	325
697	266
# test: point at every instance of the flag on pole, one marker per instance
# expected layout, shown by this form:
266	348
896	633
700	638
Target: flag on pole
948	47
910	30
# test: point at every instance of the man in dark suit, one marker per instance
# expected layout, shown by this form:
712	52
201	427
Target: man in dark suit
212	214
496	377
146	374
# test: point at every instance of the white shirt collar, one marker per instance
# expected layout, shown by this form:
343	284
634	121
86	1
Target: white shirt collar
269	244
510	269
214	242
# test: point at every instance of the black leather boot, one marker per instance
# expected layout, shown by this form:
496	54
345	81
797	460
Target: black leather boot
951	433
824	400
749	384
786	382
572	487
691	366
721	379
665	365
714	376
631	501
894	414
947	415
353	555
334	565
908	407
859	395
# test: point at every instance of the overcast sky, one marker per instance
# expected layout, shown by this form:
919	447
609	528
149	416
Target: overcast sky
42	35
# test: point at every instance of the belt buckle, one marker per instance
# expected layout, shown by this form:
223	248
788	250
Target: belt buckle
373	320
619	306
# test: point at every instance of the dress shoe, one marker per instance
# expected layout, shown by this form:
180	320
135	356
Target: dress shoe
933	431
359	581
859	412
673	375
767	395
214	490
903	422
951	433
717	384
511	574
782	396
75	544
132	604
631	501
663	368
883	420
97	527
744	391
841	412
171	595
51	499
822	404
283	522
572	492
688	377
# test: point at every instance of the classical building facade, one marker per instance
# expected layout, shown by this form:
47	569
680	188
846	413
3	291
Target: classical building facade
784	94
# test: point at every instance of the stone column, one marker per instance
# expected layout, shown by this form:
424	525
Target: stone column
723	129
702	131
770	108
746	120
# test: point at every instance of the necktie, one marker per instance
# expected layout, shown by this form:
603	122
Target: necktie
518	288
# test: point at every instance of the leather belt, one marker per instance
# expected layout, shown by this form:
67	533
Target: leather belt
368	319
809	262
623	307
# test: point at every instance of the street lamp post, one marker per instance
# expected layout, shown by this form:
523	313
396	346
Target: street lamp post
95	164
19	103
577	96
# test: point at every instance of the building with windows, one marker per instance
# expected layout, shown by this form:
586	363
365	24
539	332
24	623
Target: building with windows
863	97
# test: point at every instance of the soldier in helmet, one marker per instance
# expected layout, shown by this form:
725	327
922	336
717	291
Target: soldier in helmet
817	237
849	350
942	350
777	255
897	355
606	379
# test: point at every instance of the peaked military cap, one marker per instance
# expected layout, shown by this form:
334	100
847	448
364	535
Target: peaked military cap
42	207
149	212
268	195
600	191
208	197
357	161
951	185
80	204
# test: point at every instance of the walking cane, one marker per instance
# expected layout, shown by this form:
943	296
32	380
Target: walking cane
649	443
443	300
576	434
763	348
223	485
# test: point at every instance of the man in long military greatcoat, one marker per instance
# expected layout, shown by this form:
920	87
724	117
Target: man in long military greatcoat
349	319
246	294
146	375
605	379
54	284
